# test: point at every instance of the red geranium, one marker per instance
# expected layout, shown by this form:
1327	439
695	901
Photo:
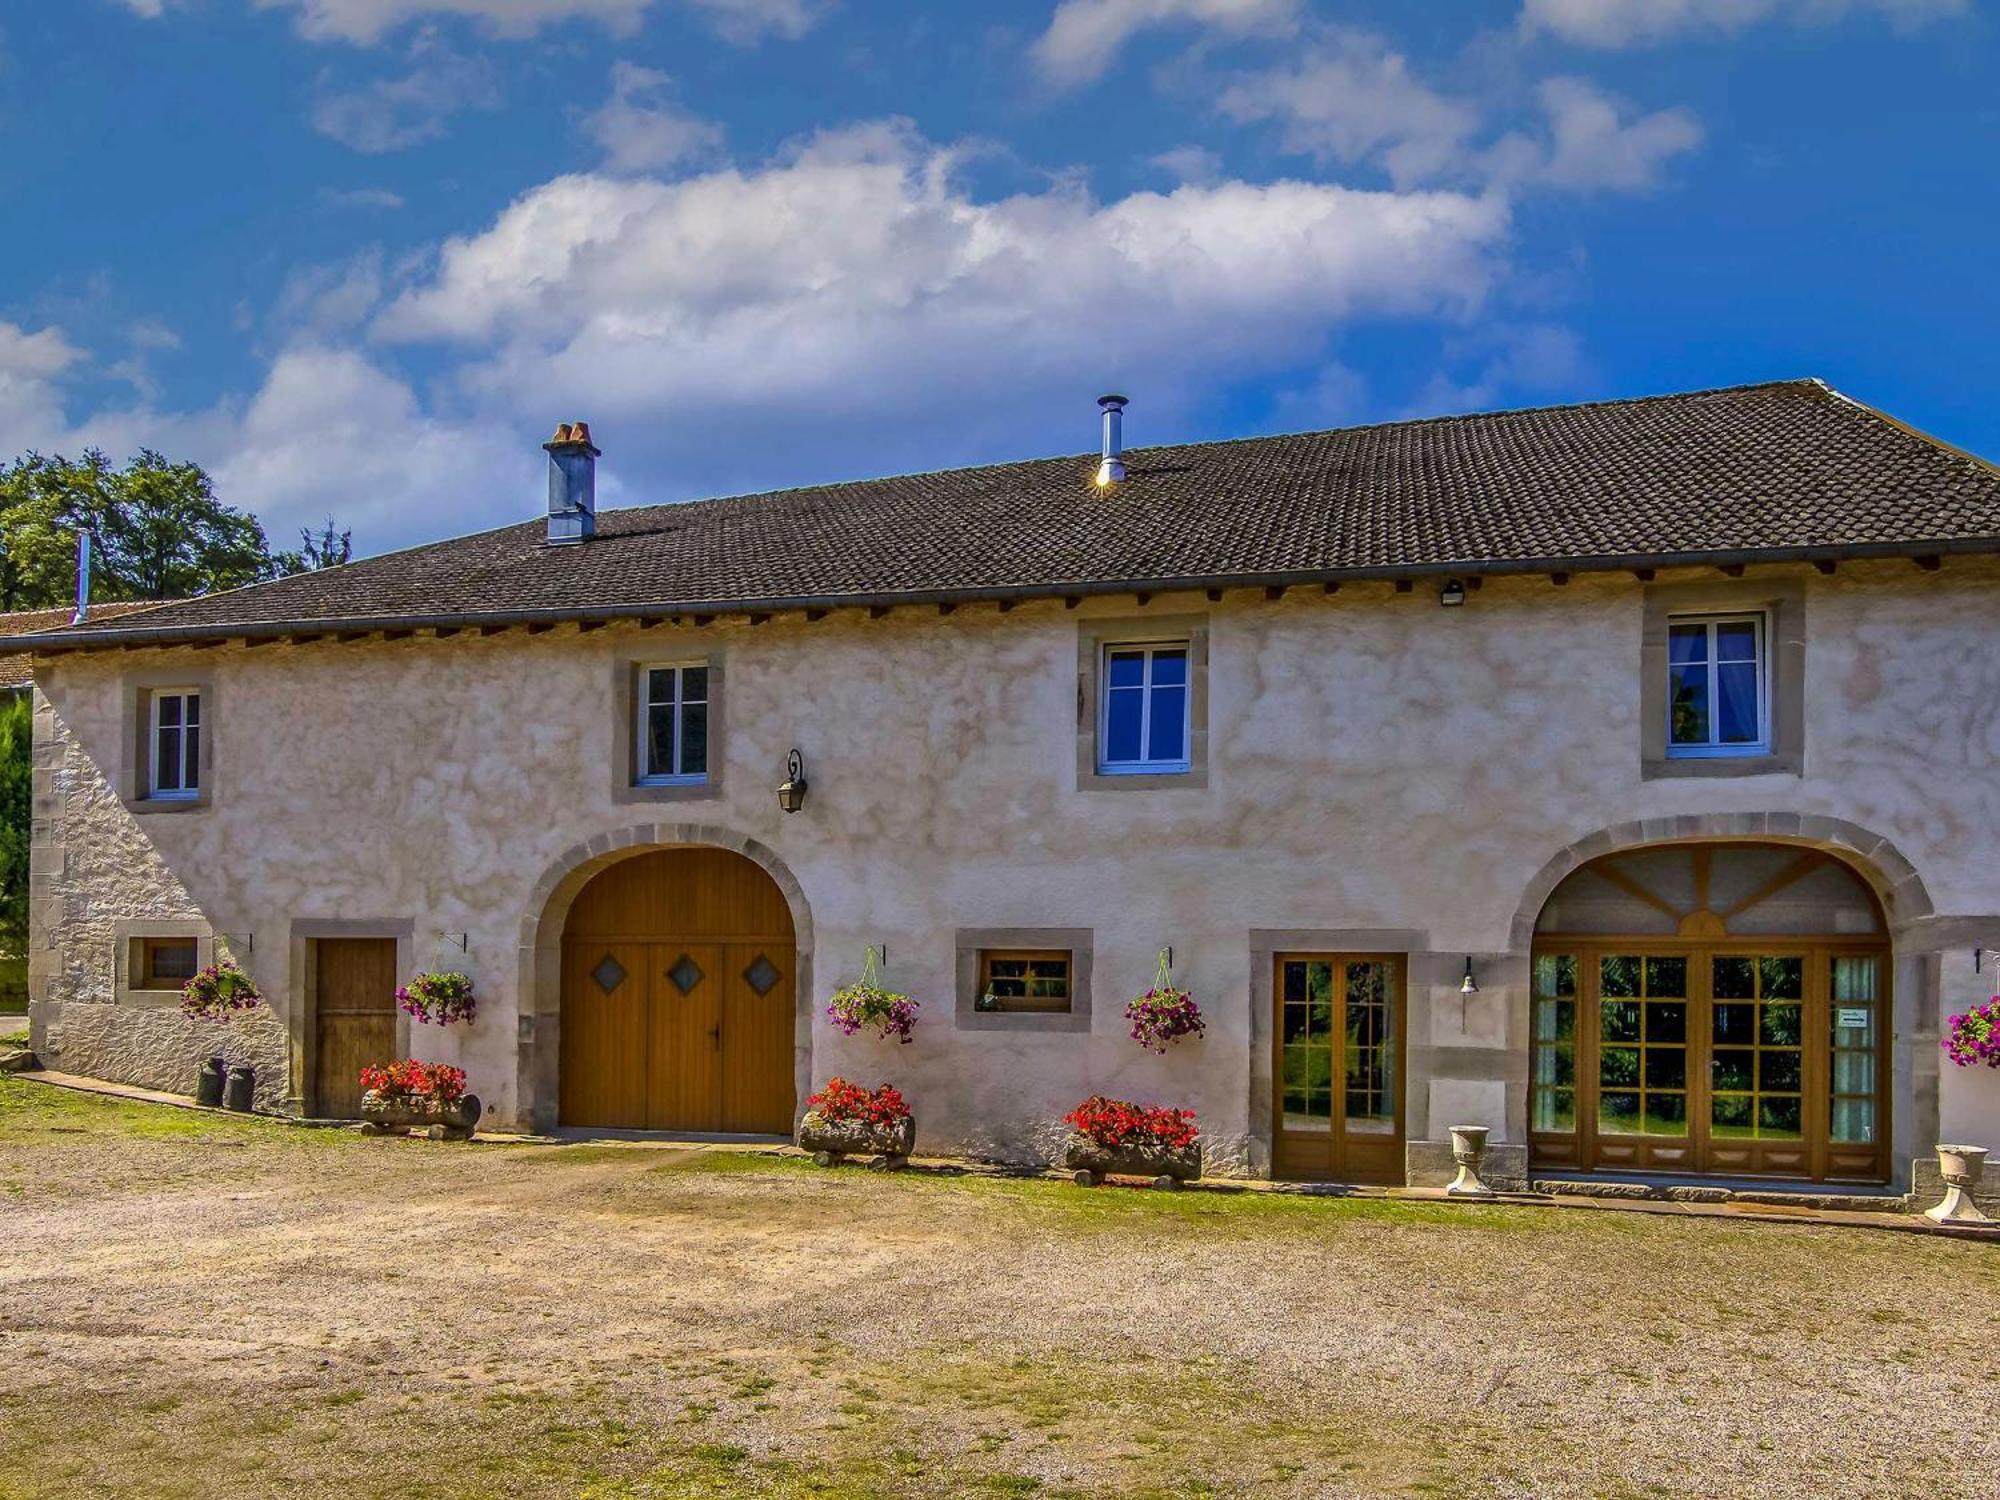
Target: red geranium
412	1079
841	1101
1115	1123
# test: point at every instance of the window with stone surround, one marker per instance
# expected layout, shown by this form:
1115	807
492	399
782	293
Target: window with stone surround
164	963
671	723
1016	979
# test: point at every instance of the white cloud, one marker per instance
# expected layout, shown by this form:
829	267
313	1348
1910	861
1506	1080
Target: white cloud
848	308
640	127
30	402
390	114
1351	99
1084	36
1623	23
151	10
851	308
365	22
379	198
1195	164
1591	144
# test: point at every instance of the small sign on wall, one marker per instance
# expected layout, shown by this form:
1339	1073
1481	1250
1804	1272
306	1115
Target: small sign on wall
1851	1016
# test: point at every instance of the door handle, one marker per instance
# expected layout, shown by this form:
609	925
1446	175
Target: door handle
715	1035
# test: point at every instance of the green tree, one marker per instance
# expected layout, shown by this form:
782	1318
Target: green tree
158	530
327	547
16	780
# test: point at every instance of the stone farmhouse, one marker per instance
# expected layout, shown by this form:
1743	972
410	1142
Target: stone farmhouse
1622	777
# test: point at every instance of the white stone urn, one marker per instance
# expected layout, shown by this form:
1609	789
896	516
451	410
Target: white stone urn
1961	1167
1468	1149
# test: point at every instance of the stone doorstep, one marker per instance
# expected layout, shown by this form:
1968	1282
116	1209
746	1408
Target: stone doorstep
1776	1198
1754	1207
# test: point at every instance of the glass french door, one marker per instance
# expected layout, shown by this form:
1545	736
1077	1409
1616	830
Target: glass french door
1739	1059
1339	1067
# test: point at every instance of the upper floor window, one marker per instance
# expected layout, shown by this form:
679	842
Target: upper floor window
1143	713
174	744
1718	689
673	725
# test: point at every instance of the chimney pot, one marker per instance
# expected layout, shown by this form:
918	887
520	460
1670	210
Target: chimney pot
1112	469
572	484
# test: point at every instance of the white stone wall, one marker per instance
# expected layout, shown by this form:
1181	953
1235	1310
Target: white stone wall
1376	763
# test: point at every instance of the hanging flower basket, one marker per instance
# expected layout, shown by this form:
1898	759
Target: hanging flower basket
1165	1014
440	999
866	1003
399	1097
218	992
1114	1137
1973	1039
844	1119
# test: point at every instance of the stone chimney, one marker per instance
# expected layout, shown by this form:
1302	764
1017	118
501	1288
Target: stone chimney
572	484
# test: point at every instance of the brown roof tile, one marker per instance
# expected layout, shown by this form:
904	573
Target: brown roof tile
1784	469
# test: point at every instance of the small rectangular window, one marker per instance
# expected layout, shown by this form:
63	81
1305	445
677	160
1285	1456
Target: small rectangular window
1018	980
162	963
1143	715
174	744
1718	686
672	725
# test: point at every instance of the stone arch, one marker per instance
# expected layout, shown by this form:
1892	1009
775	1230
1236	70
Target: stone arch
1874	858
540	982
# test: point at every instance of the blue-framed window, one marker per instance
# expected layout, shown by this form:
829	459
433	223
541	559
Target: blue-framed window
1143	717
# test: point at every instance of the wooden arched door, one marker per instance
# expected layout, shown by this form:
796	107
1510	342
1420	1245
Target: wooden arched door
678	997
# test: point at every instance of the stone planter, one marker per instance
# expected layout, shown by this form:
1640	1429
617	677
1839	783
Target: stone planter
399	1114
1961	1168
832	1141
1089	1163
1468	1149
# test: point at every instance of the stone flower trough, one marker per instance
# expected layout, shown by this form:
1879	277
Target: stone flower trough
832	1141
1169	1167
399	1114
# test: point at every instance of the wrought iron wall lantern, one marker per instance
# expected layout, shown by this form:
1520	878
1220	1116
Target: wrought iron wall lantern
792	795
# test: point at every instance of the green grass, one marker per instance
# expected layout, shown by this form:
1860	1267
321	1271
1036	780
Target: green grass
39	1112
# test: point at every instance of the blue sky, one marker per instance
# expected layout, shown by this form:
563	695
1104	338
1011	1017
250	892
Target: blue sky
360	256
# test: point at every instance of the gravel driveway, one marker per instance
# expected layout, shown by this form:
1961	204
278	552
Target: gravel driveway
195	1305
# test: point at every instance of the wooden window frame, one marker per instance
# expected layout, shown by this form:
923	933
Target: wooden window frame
1827	1160
146	977
1027	1005
1348	1155
1715	748
643	704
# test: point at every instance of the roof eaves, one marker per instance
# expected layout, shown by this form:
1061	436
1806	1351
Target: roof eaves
62	641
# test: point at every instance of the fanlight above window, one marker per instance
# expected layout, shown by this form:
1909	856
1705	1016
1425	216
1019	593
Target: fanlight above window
1713	891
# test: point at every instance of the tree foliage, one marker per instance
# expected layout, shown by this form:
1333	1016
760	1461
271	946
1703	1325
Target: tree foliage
16	802
157	531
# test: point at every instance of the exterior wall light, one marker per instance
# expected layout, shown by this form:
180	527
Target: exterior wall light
792	795
1452	594
1468	986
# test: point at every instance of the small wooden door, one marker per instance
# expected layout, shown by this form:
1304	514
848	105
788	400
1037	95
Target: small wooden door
679	1003
1338	1102
354	990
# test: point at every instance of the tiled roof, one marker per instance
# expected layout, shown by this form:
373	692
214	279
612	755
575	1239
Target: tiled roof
1790	469
17	670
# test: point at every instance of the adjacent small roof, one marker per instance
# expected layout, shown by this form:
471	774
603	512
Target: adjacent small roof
17	670
1787	470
